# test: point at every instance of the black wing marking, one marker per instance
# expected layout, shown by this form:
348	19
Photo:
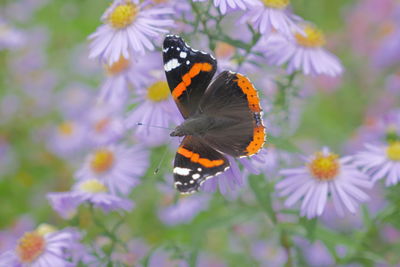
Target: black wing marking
195	162
233	101
188	71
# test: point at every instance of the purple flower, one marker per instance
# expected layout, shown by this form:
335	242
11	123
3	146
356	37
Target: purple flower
268	253
74	99
380	161
225	5
125	72
324	174
137	250
40	249
68	138
118	167
10	38
89	191
231	180
269	16
161	258
105	126
155	108
128	30
388	52
303	51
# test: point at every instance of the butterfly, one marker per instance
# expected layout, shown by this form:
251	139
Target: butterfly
222	116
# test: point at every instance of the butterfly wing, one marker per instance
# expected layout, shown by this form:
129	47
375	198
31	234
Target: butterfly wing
195	162
188	71
234	102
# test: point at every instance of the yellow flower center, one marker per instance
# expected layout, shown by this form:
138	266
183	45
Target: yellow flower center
312	37
66	128
324	167
45	229
159	91
276	3
92	186
118	66
102	160
123	15
101	125
393	151
224	50
30	247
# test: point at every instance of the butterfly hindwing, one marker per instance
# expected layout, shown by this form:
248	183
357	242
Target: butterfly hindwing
195	162
188	71
233	99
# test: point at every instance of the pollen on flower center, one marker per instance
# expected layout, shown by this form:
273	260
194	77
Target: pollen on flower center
159	91
118	66
393	151
30	247
312	37
123	15
102	160
324	167
66	128
92	186
276	3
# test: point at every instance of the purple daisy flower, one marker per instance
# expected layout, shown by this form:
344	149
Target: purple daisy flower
380	161
128	29
269	16
89	191
324	174
231	180
105	126
40	249
225	5
125	72
155	108
118	167
184	210
68	138
302	52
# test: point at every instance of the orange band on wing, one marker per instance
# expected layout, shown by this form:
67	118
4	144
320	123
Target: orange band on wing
195	157
258	140
251	93
187	78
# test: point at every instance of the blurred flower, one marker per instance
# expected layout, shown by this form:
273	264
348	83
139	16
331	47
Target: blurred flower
68	139
392	83
388	52
324	173
302	52
118	167
184	209
156	108
105	126
224	53
268	253
160	258
75	99
137	250
125	72
380	161
315	253
209	260
8	236
268	16
10	38
89	191
128	29
38	249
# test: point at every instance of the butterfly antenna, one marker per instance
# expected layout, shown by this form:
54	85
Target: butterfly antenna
162	158
154	126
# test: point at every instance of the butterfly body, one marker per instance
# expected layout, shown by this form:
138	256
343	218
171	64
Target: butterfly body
222	116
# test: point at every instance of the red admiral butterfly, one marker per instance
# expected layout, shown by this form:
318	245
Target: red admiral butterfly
222	116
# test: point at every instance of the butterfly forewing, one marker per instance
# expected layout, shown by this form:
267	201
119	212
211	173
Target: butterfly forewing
188	71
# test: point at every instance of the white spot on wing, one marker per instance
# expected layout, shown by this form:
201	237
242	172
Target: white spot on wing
183	54
187	62
172	64
182	171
